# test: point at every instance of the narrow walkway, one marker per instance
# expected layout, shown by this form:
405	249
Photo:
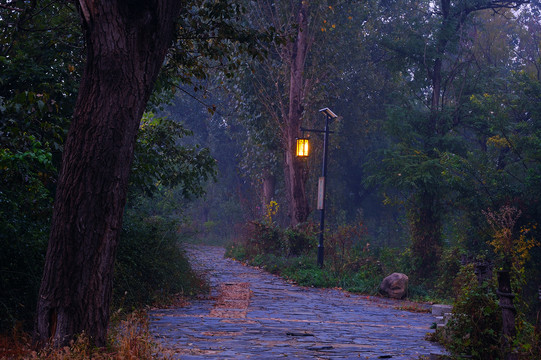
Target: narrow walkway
251	314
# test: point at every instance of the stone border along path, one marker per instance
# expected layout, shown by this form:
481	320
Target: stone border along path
251	314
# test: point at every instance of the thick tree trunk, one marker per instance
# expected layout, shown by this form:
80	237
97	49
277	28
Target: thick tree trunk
506	296
126	45
269	187
425	225
295	169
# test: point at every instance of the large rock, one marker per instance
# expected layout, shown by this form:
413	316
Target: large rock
394	286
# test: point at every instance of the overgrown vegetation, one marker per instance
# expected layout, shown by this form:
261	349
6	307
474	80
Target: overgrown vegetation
151	264
37	94
129	339
475	328
351	264
434	161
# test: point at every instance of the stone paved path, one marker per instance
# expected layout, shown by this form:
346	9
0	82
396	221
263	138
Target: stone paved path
251	314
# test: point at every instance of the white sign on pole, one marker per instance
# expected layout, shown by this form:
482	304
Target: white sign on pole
321	193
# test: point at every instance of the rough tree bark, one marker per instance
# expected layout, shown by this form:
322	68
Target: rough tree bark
506	296
269	187
281	87
126	45
295	170
425	226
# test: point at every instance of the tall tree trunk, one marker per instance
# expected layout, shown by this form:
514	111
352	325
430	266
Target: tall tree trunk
126	46
269	187
295	169
425	225
505	293
424	217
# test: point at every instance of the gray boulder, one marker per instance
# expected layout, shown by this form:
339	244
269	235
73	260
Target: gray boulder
394	286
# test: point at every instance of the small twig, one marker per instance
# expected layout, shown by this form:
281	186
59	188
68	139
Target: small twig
11	8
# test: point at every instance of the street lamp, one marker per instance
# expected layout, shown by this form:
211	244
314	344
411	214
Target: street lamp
303	147
329	118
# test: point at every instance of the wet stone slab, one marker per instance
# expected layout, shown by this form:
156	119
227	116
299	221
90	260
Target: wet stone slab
251	314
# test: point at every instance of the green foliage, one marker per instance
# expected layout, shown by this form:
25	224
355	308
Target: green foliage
236	251
268	238
305	272
449	267
349	262
411	170
161	161
39	62
25	209
475	327
528	341
300	239
343	248
41	59
211	36
151	264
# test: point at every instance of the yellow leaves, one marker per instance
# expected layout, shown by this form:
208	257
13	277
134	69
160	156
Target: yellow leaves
505	242
498	142
272	209
479	100
524	245
386	199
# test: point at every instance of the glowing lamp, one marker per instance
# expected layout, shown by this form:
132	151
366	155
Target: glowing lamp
302	147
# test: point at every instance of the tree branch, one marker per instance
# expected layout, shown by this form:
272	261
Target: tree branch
12	8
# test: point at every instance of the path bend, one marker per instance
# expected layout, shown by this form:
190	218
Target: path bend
251	314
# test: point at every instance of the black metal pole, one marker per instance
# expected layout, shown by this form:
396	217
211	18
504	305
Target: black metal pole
320	247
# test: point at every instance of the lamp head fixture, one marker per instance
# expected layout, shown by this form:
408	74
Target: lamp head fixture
328	112
303	147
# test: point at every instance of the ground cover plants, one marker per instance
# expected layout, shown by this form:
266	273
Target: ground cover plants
349	262
353	264
129	339
151	268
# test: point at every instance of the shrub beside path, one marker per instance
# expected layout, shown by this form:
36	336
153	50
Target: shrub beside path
251	314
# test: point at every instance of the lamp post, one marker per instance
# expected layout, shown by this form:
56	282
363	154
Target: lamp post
302	151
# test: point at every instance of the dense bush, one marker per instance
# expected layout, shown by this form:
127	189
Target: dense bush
25	210
349	261
150	264
263	237
449	267
475	327
21	265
